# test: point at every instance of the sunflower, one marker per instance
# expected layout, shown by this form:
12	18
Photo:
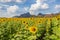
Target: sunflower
33	29
26	26
38	22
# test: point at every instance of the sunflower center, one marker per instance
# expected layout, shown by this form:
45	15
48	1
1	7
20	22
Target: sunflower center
33	29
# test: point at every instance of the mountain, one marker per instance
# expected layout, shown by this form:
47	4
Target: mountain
25	15
40	15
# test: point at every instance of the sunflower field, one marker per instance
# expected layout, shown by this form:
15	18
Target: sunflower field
30	28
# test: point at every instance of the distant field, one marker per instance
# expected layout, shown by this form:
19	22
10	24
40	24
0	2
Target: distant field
30	28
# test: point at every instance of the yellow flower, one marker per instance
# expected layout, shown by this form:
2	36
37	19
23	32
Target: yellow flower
24	22
58	18
33	29
26	26
38	22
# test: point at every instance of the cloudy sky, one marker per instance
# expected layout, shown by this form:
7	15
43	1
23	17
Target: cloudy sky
9	8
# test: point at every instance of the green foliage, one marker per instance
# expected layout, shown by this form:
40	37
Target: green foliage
19	30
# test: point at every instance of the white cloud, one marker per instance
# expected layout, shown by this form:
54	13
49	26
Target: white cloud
9	11
45	6
12	9
0	7
5	0
38	5
26	9
40	1
35	6
5	14
48	13
3	6
20	1
57	7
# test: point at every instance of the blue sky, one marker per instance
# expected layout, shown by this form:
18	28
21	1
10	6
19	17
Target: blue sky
9	8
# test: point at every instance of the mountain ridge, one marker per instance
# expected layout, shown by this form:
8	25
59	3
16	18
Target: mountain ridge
25	15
